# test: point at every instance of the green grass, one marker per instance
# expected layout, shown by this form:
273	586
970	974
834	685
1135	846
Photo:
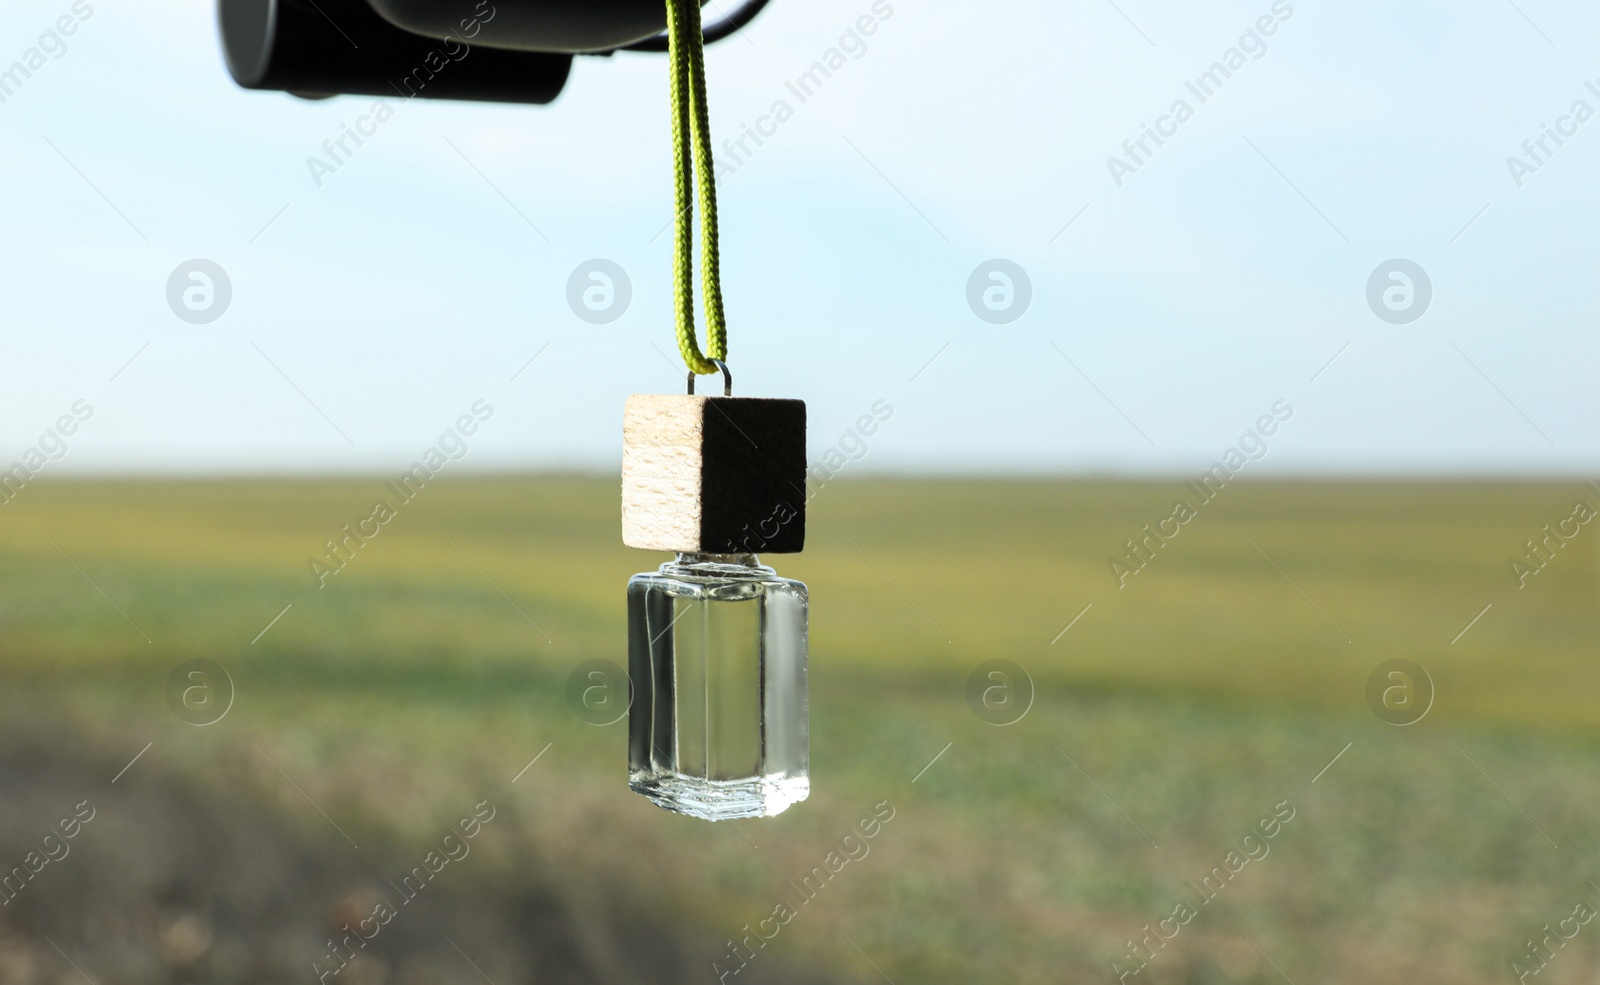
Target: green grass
1215	684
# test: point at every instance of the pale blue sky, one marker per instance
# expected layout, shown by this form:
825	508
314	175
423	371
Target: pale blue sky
1221	276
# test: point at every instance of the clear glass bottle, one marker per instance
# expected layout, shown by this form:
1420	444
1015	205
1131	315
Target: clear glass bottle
717	659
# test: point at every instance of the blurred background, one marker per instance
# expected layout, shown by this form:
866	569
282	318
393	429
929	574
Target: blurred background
1254	452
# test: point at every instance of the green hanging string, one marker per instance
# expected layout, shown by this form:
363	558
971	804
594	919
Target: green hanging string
691	125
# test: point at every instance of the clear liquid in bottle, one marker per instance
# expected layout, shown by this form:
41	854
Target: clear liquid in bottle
717	660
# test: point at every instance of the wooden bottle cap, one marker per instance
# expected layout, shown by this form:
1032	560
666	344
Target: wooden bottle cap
714	475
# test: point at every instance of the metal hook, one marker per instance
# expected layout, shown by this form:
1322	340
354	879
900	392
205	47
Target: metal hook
727	378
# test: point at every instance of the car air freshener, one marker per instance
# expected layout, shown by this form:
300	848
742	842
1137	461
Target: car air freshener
716	639
717	727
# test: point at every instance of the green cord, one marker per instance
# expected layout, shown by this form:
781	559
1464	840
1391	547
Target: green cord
691	125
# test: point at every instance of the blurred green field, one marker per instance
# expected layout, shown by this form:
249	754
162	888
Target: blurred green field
1218	682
